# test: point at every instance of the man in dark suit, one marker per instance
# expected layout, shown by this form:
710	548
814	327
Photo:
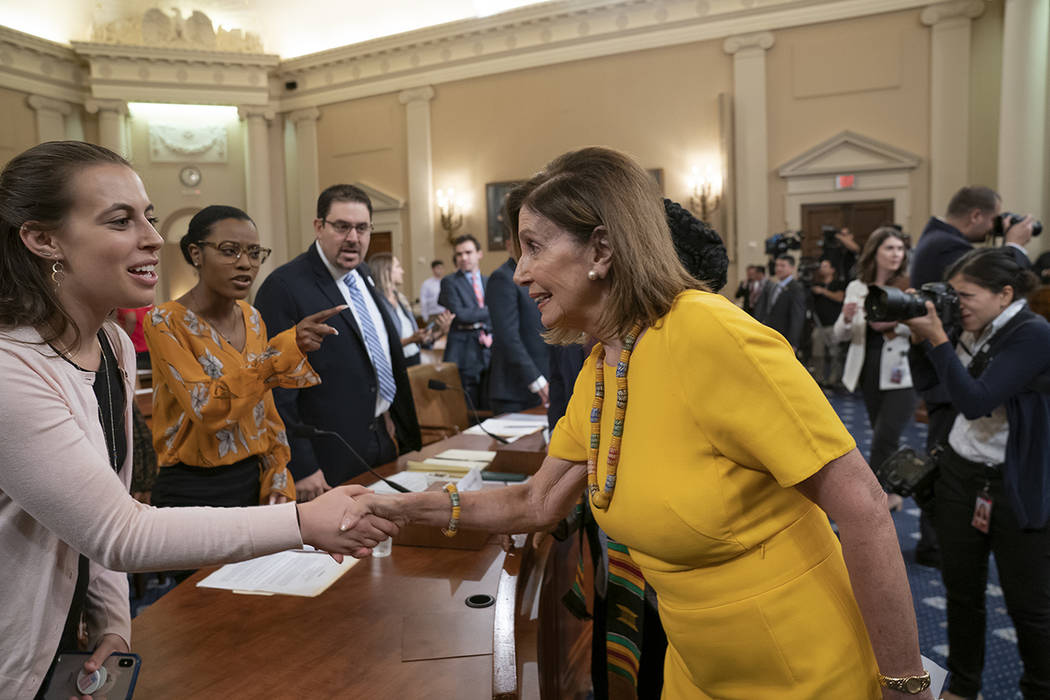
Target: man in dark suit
782	304
364	393
751	288
518	373
469	337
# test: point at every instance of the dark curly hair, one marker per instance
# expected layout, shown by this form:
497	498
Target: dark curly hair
699	247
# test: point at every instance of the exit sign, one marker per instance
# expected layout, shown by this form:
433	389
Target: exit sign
844	182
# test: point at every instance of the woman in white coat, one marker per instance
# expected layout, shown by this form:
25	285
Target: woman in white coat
878	352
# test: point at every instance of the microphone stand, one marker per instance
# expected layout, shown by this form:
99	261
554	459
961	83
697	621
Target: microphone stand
309	431
438	385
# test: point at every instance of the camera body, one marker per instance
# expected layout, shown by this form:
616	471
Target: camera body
909	474
1008	219
781	243
891	304
828	237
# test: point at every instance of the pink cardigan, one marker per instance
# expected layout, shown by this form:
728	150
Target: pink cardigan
59	496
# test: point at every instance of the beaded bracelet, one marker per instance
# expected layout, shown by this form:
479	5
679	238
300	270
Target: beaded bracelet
453	521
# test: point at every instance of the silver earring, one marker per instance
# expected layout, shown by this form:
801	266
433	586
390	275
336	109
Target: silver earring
592	275
58	273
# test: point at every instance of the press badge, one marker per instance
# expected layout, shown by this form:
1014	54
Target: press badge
982	511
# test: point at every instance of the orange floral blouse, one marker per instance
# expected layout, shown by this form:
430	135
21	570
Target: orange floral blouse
212	404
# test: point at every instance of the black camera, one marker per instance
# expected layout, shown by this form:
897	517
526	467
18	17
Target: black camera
828	237
909	474
1008	219
781	243
891	304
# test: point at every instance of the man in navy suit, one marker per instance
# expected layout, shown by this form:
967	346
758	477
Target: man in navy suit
517	375
782	303
364	393
469	337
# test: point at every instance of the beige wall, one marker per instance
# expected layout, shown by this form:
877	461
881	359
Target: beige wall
18	125
221	183
660	105
868	75
986	65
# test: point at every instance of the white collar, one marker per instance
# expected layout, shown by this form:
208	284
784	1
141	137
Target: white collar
332	270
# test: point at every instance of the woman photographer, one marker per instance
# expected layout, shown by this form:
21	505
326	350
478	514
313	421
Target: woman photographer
993	488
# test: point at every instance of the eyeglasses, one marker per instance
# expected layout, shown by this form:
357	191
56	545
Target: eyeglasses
345	227
232	251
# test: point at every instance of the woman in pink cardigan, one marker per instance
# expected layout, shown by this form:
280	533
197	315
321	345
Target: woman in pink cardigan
77	239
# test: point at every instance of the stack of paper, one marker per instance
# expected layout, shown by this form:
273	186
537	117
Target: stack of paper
511	426
457	462
302	572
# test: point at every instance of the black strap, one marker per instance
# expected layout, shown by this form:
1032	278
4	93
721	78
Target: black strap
984	356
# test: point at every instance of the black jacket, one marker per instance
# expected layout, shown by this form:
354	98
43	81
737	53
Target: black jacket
519	355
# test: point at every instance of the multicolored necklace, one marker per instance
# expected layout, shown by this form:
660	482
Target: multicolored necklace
601	499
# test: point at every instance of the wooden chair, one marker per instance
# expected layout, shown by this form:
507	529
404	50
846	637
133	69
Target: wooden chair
440	413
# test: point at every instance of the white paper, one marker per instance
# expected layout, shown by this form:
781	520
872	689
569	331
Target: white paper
511	426
413	481
484	456
300	572
937	676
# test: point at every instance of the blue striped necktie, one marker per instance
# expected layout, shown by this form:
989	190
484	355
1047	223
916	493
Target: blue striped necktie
375	350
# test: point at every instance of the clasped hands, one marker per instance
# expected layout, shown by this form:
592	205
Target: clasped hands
345	521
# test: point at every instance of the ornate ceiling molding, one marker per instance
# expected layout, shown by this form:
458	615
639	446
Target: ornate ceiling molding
40	67
177	75
540	35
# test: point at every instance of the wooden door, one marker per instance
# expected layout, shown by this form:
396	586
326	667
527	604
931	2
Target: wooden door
381	242
859	217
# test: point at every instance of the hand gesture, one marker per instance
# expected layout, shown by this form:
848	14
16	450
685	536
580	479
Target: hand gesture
342	521
312	330
311	487
109	644
443	321
845	237
1019	233
849	310
927	327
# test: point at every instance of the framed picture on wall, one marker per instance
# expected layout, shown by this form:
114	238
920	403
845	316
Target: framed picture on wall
495	194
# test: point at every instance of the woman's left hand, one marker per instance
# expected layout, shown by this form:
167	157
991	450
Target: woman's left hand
927	327
882	326
109	644
312	330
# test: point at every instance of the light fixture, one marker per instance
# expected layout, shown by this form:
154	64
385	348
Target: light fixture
705	193
451	206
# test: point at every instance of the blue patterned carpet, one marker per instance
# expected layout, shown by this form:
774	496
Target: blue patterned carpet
1002	666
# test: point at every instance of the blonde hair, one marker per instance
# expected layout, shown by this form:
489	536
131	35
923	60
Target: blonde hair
599	187
382	265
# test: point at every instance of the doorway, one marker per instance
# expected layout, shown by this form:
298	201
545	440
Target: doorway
861	218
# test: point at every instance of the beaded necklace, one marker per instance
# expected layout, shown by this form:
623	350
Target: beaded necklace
601	499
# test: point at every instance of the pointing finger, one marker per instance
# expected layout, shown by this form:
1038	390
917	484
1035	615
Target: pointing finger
321	316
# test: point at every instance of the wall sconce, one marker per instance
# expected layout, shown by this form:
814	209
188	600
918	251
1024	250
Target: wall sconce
451	206
705	193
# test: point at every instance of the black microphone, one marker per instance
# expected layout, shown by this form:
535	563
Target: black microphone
301	430
438	385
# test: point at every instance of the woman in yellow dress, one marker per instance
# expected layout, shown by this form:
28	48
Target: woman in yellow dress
216	431
718	469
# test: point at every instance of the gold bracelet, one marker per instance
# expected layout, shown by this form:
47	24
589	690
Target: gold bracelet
453	521
912	685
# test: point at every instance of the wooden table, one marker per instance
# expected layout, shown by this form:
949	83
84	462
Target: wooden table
347	642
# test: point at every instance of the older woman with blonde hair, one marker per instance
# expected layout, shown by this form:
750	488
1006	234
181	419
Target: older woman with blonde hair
708	451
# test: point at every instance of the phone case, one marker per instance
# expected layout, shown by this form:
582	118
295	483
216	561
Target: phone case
120	680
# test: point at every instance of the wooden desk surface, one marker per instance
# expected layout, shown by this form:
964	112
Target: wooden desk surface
347	642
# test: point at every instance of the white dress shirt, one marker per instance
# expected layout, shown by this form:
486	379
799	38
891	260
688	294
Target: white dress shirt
373	312
428	297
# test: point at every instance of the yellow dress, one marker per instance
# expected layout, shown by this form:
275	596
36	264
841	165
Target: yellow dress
721	422
213	404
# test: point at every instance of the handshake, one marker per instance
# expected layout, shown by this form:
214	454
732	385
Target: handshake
346	520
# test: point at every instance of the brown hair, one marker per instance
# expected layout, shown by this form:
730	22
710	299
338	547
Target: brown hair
381	265
973	197
36	194
866	264
582	190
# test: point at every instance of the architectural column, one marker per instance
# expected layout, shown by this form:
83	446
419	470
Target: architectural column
50	117
420	182
1023	108
308	177
112	129
257	177
949	96
750	142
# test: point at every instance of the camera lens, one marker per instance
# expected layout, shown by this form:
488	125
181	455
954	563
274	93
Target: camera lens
125	663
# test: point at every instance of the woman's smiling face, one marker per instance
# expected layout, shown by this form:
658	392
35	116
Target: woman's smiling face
554	267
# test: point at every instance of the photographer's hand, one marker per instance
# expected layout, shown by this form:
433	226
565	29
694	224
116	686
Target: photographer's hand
1020	233
927	327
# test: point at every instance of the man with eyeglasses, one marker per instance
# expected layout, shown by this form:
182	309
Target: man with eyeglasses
364	393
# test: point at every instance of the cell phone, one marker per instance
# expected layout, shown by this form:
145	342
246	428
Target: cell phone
431	326
122	670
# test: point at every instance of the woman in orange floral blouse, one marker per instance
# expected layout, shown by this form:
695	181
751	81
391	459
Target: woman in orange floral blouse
218	437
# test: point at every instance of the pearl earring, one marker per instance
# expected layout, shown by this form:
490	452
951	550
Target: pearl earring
592	276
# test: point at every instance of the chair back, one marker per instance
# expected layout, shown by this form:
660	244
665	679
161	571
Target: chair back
440	413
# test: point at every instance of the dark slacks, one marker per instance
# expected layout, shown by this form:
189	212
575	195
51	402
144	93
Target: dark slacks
1023	558
889	411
